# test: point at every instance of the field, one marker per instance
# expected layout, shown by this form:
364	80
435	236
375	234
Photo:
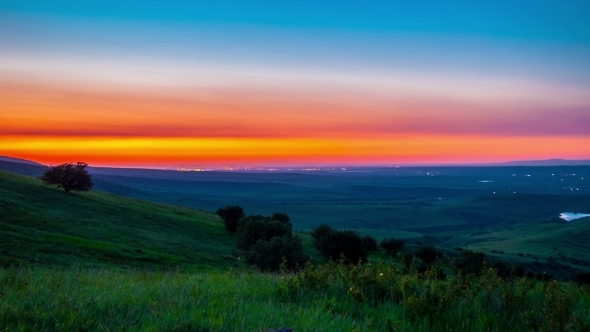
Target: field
330	298
509	213
99	261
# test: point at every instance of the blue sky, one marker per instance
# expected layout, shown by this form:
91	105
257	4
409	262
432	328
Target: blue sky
564	21
498	69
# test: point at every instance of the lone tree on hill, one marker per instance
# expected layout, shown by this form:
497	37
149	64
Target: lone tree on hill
69	176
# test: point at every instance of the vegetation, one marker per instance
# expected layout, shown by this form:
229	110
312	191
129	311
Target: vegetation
449	210
68	176
42	226
257	228
278	252
98	261
231	214
268	242
391	246
328	297
583	278
334	244
370	243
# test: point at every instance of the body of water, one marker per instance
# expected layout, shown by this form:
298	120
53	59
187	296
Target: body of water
569	216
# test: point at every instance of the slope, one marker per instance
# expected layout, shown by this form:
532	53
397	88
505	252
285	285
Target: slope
43	225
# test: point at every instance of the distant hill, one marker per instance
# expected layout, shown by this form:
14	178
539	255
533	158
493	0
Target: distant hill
44	225
548	162
18	160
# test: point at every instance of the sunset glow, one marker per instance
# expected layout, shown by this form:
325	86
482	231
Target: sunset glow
203	86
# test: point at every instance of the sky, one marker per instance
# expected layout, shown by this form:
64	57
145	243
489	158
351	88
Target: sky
284	83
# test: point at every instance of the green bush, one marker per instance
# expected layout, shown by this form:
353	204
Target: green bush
470	262
259	228
267	241
319	232
428	254
282	217
391	246
269	255
230	215
334	244
370	243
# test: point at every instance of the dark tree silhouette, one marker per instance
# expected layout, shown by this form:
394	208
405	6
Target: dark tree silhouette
333	244
427	254
391	246
69	176
231	214
370	243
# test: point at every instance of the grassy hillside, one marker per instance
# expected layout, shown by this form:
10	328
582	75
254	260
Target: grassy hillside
44	225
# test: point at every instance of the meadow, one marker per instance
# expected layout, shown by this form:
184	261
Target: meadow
98	261
331	297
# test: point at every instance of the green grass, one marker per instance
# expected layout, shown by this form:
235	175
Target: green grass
44	225
95	261
332	297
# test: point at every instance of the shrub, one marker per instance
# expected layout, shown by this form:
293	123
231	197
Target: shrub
319	232
259	228
470	262
230	215
334	244
583	278
391	246
282	217
268	255
427	254
370	243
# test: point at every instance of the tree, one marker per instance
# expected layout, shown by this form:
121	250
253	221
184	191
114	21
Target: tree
391	246
427	254
319	232
583	278
282	217
269	255
68	176
267	241
231	214
333	244
370	243
471	262
259	228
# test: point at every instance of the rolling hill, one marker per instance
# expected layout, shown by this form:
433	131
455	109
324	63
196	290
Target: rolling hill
44	225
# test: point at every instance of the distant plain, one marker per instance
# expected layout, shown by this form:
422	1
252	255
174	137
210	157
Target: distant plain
510	212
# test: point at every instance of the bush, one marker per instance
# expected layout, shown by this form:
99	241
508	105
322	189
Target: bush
583	278
334	244
370	243
470	262
230	215
282	217
391	246
319	232
259	228
267	241
268	256
427	254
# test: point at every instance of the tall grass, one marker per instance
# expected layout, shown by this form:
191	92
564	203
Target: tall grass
330	297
